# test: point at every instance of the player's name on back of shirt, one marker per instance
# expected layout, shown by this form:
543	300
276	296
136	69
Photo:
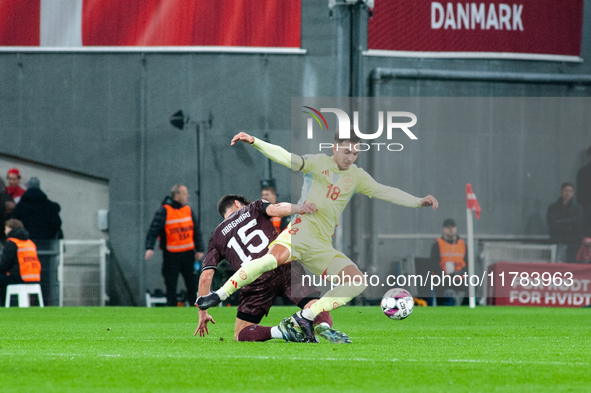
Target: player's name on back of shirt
235	223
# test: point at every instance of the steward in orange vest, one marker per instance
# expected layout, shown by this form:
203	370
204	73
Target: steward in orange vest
19	263
452	252
180	240
449	254
449	248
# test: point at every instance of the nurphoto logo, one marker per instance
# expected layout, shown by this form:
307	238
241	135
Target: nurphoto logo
344	127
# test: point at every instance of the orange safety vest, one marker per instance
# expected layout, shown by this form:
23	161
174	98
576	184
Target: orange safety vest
276	221
452	252
179	229
28	261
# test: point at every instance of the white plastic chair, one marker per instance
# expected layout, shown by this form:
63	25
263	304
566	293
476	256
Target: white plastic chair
23	291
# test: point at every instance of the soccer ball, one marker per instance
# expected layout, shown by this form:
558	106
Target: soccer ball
397	303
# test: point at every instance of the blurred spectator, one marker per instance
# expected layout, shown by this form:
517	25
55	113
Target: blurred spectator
4	199
565	219
13	189
449	253
584	192
584	254
19	263
270	194
175	225
39	215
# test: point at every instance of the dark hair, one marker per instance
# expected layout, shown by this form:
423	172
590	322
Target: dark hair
13	223
270	188
566	184
449	222
353	138
228	200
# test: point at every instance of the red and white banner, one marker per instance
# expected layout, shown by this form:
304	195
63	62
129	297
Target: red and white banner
540	284
549	27
74	23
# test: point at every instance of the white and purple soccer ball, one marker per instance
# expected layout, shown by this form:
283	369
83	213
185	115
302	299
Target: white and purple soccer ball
397	303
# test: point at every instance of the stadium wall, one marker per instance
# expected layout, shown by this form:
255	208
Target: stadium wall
107	115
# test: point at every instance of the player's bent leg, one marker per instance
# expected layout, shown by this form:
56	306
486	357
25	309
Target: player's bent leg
352	284
249	331
281	252
332	299
340	266
246	275
277	256
241	325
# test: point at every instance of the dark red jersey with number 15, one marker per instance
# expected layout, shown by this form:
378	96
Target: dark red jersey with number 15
242	237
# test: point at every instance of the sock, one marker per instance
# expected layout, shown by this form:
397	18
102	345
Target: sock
308	314
276	333
337	297
248	273
255	333
222	294
323	317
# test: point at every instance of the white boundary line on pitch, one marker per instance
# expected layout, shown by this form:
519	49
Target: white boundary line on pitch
554	363
328	359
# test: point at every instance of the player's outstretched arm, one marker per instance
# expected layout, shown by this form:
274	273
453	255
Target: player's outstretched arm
204	317
373	189
399	197
285	209
271	151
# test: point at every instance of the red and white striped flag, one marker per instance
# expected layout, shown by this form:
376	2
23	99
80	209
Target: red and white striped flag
78	23
471	201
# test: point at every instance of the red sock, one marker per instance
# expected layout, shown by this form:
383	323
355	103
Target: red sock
325	317
255	333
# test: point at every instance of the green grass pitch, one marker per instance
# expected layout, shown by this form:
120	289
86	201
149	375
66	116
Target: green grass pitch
456	349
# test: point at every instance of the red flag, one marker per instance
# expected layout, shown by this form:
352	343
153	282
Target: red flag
471	201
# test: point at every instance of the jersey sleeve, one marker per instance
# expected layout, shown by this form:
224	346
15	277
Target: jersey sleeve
368	186
260	206
212	257
278	154
311	162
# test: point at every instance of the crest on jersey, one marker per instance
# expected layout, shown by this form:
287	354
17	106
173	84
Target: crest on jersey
347	181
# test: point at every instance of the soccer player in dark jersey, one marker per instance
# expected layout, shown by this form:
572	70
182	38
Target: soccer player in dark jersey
244	235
